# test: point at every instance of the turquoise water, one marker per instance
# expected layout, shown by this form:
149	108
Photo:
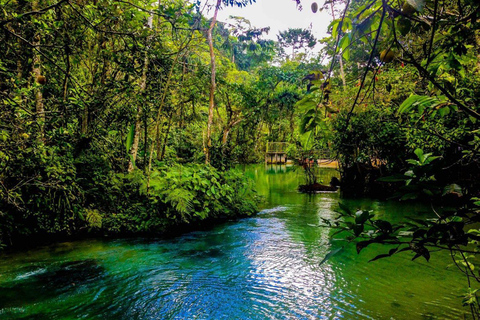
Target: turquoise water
263	267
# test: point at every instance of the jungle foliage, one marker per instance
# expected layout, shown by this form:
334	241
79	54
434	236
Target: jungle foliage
109	108
105	115
126	117
405	123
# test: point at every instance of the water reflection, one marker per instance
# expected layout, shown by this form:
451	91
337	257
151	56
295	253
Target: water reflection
264	267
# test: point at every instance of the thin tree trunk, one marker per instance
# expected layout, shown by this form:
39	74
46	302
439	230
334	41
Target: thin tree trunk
138	116
228	128
159	114
212	83
37	73
158	145
342	73
170	120
65	86
19	61
160	107
145	141
67	75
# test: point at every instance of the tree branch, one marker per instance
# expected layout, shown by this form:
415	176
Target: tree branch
372	53
41	11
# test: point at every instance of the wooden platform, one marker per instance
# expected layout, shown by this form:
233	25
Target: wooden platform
276	153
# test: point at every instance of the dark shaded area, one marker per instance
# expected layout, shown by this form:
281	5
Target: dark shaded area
49	282
316	187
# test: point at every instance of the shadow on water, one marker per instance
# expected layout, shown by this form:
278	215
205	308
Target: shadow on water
36	284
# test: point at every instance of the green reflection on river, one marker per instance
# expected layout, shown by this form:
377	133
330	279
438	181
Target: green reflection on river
264	267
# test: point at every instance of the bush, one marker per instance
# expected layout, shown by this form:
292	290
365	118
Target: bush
68	196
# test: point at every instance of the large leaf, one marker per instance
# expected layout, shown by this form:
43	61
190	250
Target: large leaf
418	5
306	104
361	216
454	189
335	24
331	254
420	155
130	136
344	46
423	102
306	140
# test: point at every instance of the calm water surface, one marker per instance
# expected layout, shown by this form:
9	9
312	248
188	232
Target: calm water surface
264	267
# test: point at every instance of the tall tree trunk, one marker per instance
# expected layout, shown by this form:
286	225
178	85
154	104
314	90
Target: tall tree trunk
37	74
159	115
138	116
226	130
208	143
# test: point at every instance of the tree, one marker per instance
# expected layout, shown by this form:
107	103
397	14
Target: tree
420	76
213	21
247	48
296	39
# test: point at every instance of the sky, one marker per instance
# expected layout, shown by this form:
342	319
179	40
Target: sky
280	15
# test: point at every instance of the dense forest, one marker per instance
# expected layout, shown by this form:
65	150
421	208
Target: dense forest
129	117
112	109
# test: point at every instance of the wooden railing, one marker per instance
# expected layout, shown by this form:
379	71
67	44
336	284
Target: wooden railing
277	147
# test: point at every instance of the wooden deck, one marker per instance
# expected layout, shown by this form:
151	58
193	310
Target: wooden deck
276	152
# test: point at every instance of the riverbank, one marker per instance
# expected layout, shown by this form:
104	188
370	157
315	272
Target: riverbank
168	201
262	267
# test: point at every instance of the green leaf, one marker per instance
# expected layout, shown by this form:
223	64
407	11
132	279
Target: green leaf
307	140
346	54
361	216
307	103
362	244
358	229
454	189
130	137
443	111
419	153
335	24
418	5
331	254
407	105
409	196
380	256
344	43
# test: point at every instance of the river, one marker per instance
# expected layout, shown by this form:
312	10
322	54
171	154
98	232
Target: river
263	267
